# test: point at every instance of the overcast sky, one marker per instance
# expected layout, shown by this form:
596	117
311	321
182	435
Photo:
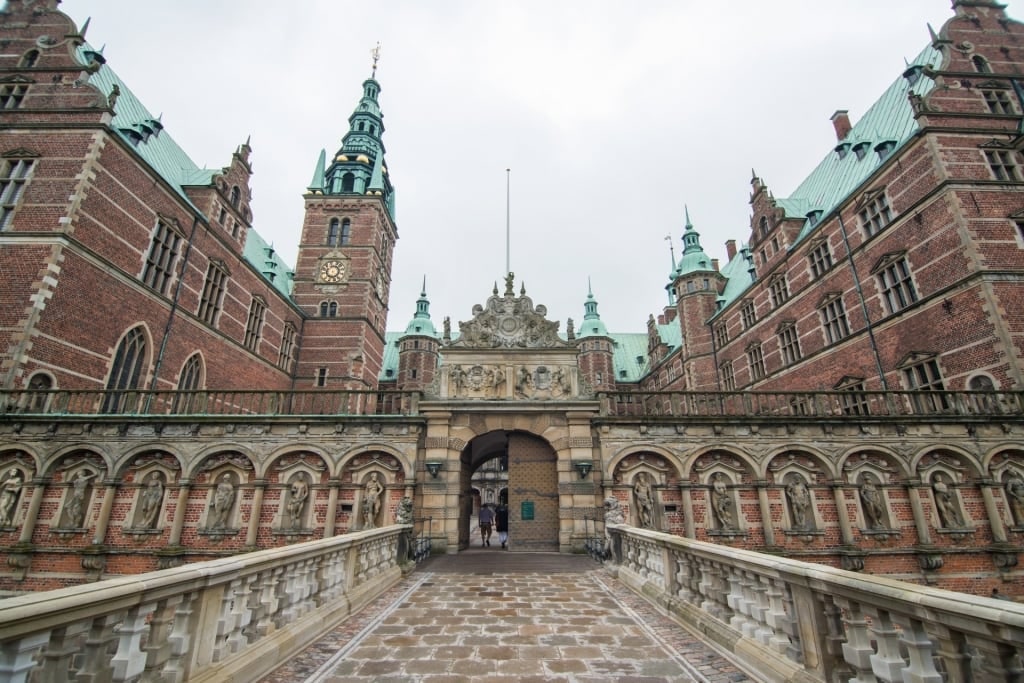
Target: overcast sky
613	116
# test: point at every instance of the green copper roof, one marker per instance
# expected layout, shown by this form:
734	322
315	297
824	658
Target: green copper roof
694	258
421	323
592	325
629	356
146	135
389	366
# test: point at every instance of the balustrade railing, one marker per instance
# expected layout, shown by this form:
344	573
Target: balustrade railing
798	621
226	619
207	402
815	404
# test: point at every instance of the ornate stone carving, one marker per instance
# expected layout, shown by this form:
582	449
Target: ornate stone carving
403	514
476	381
542	382
509	322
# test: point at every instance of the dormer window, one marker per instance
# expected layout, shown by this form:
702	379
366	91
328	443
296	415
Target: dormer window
884	149
981	64
913	75
843	149
861	149
814	216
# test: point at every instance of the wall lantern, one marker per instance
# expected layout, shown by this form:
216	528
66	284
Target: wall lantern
583	467
434	467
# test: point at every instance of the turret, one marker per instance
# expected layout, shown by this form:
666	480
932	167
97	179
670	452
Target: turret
596	347
418	348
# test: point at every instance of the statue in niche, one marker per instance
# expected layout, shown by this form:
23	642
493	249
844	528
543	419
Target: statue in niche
458	376
643	496
871	500
74	510
721	503
223	502
150	500
447	330
372	493
799	502
298	493
10	494
949	515
1015	495
524	381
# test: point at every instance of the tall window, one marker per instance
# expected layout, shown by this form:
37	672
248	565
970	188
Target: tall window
998	102
922	374
749	314
321	377
896	285
213	293
286	355
160	261
728	377
236	196
1003	164
346	231
981	64
13	178
29	59
876	215
789	343
756	360
721	334
333	228
328	309
852	399
762	227
126	371
11	96
833	319
821	260
191	377
254	324
778	290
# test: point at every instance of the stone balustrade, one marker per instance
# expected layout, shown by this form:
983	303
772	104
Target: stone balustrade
795	621
229	619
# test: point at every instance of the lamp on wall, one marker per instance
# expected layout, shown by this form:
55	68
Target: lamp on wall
434	467
583	467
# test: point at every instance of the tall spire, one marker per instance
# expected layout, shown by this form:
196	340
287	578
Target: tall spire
592	325
421	323
358	168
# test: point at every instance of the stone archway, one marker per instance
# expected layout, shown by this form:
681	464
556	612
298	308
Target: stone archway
531	491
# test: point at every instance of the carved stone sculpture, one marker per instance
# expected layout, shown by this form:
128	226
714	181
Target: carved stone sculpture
799	502
372	494
403	515
643	497
223	502
74	509
150	500
10	494
871	501
298	493
721	504
945	502
509	322
613	513
1015	495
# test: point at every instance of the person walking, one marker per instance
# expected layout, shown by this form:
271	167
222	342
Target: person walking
501	524
486	519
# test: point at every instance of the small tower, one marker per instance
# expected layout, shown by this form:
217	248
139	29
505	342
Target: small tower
418	348
596	347
696	284
343	269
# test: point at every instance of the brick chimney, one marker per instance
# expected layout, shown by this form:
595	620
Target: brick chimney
841	122
730	249
714	264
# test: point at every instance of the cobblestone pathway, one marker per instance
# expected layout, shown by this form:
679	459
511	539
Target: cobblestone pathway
486	615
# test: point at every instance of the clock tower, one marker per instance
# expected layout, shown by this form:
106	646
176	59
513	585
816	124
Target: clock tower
343	270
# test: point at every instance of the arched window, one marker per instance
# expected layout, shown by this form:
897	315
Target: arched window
981	64
29	59
333	229
38	386
332	309
346	231
348	182
191	377
236	196
126	371
323	309
763	227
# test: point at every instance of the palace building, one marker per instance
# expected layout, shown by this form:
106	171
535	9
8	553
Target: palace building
845	388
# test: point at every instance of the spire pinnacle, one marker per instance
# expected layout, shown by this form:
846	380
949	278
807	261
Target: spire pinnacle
672	251
423	292
376	58
689	225
590	290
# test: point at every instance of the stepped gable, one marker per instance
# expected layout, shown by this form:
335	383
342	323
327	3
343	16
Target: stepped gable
509	322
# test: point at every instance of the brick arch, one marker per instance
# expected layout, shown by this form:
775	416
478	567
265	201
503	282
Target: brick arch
129	458
12	452
969	460
771	459
53	461
997	452
671	457
343	461
198	461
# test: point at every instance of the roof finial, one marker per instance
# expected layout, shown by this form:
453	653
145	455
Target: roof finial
423	292
85	27
672	250
376	58
590	290
932	34
686	209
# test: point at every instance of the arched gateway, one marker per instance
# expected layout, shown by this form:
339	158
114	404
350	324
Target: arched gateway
508	418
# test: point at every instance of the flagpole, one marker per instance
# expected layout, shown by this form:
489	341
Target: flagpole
508	232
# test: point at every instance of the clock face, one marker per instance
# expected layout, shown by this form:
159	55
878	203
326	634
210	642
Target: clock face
332	271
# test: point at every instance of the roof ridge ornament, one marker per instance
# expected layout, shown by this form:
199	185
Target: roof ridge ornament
376	58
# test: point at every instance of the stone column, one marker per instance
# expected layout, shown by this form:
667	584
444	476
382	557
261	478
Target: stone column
839	494
689	527
914	487
766	511
104	519
254	512
998	530
178	524
332	507
28	527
